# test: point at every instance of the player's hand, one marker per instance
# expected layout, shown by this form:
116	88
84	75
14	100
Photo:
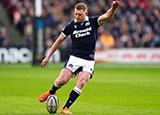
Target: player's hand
116	3
44	62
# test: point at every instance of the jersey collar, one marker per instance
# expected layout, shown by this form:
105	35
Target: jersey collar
86	19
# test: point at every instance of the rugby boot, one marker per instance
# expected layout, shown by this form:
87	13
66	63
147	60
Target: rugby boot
44	96
65	111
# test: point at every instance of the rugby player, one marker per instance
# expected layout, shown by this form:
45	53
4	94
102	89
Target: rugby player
83	32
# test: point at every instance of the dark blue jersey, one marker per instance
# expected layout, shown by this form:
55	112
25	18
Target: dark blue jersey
84	36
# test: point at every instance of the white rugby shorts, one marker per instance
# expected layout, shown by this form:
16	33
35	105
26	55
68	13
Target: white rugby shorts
74	63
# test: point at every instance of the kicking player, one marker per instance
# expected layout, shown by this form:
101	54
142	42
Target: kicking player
83	32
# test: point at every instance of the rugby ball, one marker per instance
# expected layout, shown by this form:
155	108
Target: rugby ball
52	104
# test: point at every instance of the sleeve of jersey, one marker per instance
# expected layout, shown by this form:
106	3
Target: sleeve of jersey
66	31
96	21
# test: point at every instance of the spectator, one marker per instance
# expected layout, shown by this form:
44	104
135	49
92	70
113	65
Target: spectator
4	38
106	39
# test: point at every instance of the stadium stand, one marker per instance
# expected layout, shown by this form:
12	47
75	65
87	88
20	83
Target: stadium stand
136	24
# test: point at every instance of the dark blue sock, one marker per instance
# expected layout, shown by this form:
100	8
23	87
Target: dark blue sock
73	96
54	89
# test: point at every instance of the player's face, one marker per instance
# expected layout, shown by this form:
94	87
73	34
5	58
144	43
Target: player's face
80	15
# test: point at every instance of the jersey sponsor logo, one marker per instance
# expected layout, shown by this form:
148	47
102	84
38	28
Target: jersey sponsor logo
81	33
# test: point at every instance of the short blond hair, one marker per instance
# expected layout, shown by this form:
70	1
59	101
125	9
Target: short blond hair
81	6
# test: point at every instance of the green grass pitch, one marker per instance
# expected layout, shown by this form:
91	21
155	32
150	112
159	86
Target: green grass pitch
114	90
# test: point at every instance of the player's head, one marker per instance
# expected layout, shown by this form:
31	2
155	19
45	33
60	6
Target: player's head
80	12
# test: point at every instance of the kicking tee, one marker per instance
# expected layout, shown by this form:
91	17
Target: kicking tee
83	36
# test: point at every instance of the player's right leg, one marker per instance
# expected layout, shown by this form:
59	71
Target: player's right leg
63	78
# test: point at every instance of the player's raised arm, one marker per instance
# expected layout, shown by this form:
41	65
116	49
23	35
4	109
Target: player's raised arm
53	49
109	14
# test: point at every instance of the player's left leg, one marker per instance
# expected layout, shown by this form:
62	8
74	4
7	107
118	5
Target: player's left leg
83	78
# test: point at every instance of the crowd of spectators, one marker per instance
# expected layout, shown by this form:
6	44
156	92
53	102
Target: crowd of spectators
135	24
4	38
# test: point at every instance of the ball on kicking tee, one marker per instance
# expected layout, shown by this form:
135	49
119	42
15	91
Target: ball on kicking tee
52	104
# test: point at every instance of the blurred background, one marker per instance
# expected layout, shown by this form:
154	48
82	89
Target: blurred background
126	80
131	36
